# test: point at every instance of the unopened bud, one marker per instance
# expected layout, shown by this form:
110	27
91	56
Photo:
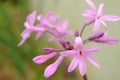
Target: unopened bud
96	36
76	33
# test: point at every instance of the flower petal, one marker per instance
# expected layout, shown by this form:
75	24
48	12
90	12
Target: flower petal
106	27
107	40
82	66
78	43
73	64
91	4
96	26
40	18
43	58
52	39
91	49
64	25
39	34
100	10
90	21
110	18
92	60
89	14
51	69
31	18
22	41
68	53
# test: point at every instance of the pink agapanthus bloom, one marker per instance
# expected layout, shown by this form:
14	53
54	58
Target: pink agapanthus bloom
80	55
29	24
97	17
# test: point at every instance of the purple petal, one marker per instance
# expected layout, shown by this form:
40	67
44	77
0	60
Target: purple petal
31	18
92	60
62	42
27	25
89	14
68	53
112	41
73	64
110	18
106	27
91	4
90	21
78	43
82	66
96	26
40	18
49	50
51	17
39	34
107	40
50	14
43	58
96	36
100	10
22	41
51	69
91	49
64	25
52	39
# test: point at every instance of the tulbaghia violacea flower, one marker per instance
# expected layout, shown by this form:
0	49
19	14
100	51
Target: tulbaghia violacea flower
80	55
97	17
107	40
43	58
29	24
47	21
60	30
51	69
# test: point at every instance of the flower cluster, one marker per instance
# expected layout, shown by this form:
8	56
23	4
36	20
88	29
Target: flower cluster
51	24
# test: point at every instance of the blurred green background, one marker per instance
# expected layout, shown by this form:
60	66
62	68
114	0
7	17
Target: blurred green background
16	62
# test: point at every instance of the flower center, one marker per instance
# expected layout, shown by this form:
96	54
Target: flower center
81	53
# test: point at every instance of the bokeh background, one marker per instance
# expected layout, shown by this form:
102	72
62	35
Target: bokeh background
16	62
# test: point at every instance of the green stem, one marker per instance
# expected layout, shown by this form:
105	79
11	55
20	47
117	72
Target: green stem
82	30
84	77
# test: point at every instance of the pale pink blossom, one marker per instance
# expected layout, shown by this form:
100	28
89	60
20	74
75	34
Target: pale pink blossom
29	25
60	30
46	21
43	58
97	17
51	69
107	40
80	55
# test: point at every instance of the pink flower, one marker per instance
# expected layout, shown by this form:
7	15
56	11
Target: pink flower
48	19
51	69
60	30
97	17
29	24
103	38
46	22
80	55
43	58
